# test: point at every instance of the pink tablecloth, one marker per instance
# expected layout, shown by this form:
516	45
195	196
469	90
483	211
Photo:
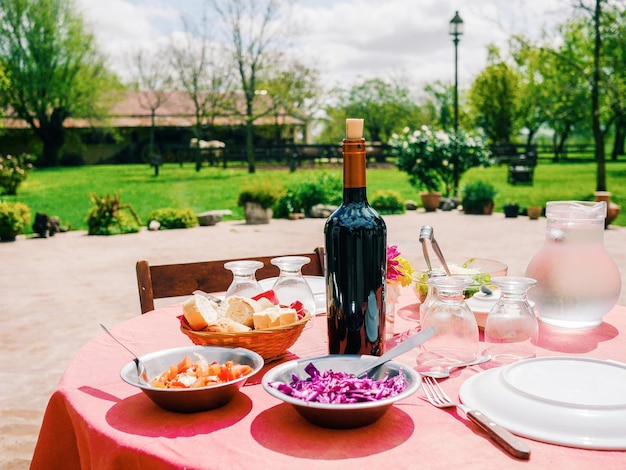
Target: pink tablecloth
95	420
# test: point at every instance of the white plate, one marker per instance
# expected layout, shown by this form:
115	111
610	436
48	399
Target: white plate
318	286
572	401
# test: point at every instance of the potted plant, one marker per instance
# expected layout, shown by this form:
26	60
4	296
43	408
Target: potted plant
436	160
478	198
257	201
511	210
14	216
534	211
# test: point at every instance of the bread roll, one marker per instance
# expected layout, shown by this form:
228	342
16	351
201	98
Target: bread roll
227	325
200	312
240	309
273	317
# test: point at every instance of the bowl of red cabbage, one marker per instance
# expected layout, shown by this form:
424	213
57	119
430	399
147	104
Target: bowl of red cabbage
325	392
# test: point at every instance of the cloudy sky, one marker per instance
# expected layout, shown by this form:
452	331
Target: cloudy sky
350	39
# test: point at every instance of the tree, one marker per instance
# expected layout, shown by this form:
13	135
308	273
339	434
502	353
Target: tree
385	105
54	69
153	82
255	31
294	90
493	98
206	77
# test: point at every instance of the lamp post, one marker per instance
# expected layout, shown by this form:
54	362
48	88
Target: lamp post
456	29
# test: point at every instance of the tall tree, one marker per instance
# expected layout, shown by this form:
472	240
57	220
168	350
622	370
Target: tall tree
206	77
493	98
153	81
53	66
257	33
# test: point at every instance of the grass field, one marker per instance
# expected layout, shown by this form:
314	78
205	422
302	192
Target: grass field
64	192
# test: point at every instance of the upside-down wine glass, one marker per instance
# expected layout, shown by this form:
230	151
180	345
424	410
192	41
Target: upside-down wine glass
244	278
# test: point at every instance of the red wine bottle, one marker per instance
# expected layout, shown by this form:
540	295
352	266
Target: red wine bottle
356	260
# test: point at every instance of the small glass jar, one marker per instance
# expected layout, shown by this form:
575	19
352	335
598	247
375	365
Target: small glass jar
244	278
511	329
456	339
577	280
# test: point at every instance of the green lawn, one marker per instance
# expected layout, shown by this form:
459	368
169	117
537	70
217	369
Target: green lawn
65	191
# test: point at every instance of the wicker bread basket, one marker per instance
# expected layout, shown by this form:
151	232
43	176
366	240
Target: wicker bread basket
269	343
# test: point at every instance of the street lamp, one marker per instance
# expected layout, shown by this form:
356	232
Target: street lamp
456	29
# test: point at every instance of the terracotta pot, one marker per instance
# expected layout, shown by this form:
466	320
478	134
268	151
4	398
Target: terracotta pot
534	212
612	209
430	201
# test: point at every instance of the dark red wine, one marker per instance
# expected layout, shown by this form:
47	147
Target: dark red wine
356	264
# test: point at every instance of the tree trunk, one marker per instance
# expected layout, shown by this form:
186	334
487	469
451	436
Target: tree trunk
598	135
620	137
52	134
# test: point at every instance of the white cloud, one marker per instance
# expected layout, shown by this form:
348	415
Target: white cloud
346	39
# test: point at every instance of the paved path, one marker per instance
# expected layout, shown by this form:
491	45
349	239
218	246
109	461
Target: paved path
54	292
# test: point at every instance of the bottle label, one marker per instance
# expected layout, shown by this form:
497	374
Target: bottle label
354	163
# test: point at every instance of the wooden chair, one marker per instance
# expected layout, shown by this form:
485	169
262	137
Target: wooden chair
175	280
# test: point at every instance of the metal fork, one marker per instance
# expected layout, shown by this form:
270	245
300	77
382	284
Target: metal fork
514	446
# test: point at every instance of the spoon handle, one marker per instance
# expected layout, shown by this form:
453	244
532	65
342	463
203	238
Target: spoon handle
405	346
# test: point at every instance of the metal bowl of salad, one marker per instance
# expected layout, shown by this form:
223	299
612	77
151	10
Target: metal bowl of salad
310	386
193	378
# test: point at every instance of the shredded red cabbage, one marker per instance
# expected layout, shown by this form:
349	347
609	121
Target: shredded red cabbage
339	387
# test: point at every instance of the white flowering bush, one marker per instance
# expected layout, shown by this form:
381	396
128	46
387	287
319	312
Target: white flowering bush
436	160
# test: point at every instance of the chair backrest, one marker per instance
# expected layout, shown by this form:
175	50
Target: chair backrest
175	280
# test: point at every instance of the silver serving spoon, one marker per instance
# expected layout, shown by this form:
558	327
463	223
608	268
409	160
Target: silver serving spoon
445	373
405	346
141	368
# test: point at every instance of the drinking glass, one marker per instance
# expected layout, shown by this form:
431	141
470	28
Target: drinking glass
511	330
456	339
244	278
290	284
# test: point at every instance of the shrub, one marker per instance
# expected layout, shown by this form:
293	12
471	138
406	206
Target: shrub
170	218
106	216
14	216
388	202
477	195
302	197
14	170
264	194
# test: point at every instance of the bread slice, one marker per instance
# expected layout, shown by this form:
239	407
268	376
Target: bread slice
200	312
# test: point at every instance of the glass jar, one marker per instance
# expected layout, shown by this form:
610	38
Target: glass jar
244	282
511	329
577	280
431	294
456	339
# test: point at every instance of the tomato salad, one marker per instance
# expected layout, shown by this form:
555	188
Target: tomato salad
188	374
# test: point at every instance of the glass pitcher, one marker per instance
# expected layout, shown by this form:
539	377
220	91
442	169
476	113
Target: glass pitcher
577	280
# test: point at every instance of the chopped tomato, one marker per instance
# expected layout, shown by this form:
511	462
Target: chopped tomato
269	295
299	308
187	374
